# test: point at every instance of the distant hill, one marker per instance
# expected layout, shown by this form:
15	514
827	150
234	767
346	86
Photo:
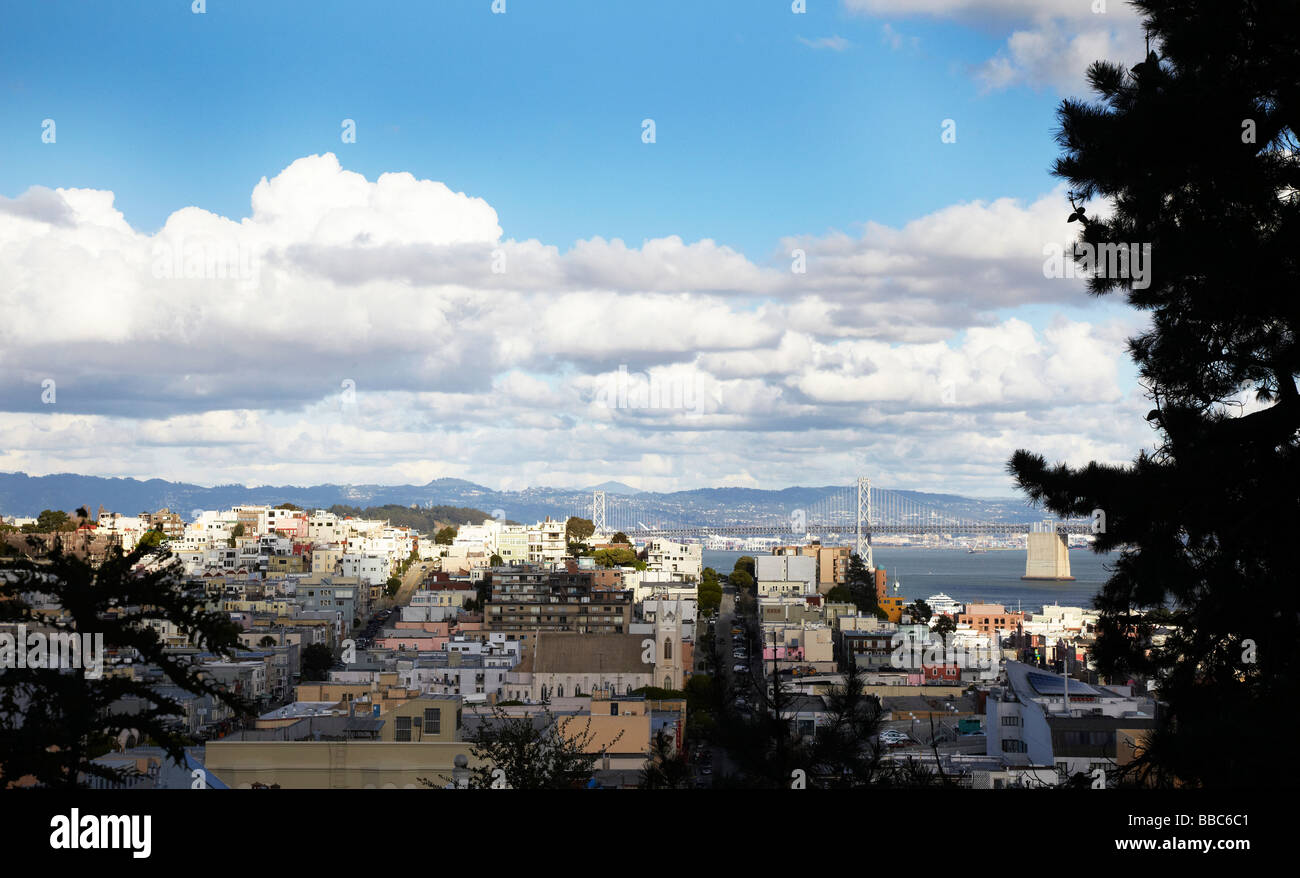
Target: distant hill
614	488
455	500
427	520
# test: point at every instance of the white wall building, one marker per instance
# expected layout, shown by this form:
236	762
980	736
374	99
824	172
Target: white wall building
678	562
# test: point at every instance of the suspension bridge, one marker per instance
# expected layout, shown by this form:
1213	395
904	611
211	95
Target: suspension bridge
852	513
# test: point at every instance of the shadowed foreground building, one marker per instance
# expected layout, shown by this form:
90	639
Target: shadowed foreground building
419	738
1031	722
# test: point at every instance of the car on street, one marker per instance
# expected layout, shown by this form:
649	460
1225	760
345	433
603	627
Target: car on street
740	669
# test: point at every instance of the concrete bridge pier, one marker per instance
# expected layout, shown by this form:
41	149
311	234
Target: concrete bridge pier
1048	557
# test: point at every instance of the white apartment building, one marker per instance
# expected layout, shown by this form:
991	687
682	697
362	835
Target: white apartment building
547	542
512	544
678	562
326	527
126	528
648	591
778	572
478	537
370	569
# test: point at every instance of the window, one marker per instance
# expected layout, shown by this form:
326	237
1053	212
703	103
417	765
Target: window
1010	720
1010	746
403	729
433	720
668	647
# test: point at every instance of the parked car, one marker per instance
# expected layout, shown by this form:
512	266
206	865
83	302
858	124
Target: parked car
740	669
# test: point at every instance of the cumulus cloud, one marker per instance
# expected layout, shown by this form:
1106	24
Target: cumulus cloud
387	331
1049	43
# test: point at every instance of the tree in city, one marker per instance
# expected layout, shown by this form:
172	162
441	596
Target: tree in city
392	586
317	659
745	563
919	610
944	625
266	641
667	768
152	538
578	530
50	521
1203	520
840	594
515	752
54	723
847	752
445	536
709	591
620	537
861	585
618	558
496	561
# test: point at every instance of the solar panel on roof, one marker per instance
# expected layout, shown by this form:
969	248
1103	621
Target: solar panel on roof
1051	684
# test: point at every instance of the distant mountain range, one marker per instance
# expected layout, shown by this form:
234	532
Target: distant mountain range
24	495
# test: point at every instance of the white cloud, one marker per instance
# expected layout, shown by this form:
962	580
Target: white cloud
216	351
1050	42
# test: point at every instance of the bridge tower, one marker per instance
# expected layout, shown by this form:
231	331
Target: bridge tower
598	511
864	522
1048	556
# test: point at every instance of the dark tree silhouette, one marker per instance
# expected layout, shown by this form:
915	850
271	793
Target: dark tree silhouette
53	722
516	752
316	661
1194	151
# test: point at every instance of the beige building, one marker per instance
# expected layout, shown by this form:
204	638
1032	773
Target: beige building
418	739
563	664
832	562
319	765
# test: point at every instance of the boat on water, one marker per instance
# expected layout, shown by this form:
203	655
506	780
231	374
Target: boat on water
941	603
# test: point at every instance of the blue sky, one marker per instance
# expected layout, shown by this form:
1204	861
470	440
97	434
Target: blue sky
921	346
538	111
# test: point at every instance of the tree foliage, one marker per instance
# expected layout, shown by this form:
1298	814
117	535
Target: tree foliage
577	530
50	521
423	519
1194	152
861	585
317	659
919	610
518	753
709	591
51	719
666	769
